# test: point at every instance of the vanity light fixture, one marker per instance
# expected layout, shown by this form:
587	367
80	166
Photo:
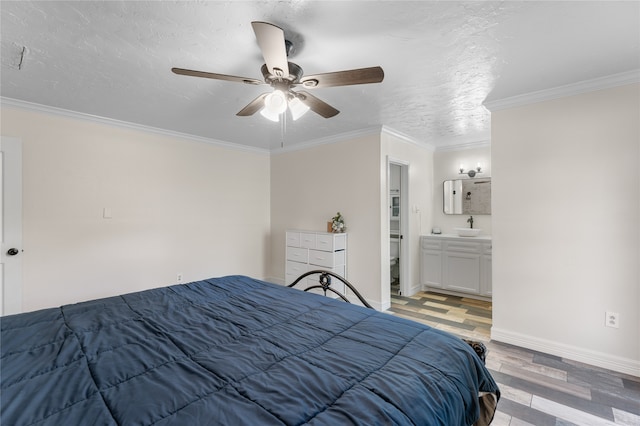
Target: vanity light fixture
471	172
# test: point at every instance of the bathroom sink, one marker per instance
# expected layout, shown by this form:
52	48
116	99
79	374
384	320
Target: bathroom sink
467	232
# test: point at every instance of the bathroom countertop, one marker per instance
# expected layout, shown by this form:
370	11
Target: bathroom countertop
456	236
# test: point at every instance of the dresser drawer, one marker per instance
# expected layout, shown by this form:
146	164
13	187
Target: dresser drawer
326	258
294	270
331	242
298	254
293	239
307	240
324	242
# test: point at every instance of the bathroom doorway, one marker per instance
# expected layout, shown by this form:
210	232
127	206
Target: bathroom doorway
398	178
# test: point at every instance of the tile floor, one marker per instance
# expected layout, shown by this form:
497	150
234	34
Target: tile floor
537	389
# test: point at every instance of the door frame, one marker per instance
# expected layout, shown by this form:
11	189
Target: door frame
10	225
405	255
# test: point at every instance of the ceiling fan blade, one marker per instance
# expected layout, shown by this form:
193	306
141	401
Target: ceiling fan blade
253	107
271	41
343	78
316	105
214	76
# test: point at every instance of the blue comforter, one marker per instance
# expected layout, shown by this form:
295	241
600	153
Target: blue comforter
233	351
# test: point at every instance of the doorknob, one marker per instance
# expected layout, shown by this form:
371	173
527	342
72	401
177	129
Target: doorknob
12	252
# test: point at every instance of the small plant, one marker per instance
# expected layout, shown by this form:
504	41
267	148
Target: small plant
337	223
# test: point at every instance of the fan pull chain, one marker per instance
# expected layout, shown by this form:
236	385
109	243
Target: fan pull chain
283	128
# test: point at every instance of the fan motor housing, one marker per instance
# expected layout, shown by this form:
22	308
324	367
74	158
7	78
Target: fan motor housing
295	73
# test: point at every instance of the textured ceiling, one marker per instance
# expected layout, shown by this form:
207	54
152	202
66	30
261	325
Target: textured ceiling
442	60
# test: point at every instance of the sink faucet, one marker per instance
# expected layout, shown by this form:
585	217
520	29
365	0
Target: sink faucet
470	222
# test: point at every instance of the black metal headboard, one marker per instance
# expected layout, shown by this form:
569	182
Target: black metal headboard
325	284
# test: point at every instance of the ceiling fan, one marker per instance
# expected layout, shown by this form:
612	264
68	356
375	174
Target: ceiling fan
283	76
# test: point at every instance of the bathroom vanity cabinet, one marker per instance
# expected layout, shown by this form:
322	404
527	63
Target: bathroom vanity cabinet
456	265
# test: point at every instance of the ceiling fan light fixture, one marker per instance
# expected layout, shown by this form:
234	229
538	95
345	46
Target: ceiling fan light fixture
276	102
297	108
269	115
283	76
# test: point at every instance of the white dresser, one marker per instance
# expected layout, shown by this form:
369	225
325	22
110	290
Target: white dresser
456	265
309	250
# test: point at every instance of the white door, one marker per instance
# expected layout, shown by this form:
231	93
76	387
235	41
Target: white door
10	226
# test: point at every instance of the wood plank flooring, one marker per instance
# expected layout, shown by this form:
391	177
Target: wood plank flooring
537	389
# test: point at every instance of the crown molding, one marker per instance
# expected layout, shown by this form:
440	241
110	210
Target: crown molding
339	137
452	144
607	82
406	138
482	143
30	106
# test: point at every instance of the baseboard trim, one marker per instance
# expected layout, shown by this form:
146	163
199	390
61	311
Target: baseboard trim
378	306
413	290
587	356
456	293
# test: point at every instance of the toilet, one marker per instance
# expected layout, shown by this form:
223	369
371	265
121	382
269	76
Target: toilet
394	252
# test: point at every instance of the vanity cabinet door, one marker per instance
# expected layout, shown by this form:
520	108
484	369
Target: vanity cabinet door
462	271
430	262
431	268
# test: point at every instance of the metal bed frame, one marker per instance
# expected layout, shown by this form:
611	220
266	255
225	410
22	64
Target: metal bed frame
325	284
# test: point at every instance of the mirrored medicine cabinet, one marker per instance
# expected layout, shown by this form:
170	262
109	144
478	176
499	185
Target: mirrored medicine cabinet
467	196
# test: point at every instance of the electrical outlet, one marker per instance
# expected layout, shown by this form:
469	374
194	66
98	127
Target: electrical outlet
179	278
612	319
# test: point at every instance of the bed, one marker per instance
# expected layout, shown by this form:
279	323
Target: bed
235	351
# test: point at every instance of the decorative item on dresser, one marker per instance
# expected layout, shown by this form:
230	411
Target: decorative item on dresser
309	250
336	224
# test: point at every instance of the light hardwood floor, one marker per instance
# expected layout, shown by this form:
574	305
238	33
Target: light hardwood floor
537	389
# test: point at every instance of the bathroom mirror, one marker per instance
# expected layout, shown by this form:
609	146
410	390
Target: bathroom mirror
467	196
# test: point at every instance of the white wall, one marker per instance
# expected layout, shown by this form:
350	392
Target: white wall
178	206
310	185
182	206
566	234
446	167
